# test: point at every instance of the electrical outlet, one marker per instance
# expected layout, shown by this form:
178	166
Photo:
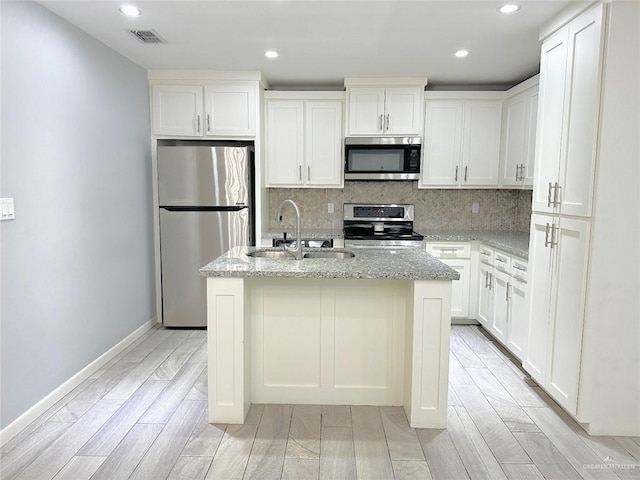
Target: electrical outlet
8	211
330	208
475	207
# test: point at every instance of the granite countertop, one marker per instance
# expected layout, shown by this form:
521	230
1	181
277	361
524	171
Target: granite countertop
369	263
307	234
514	243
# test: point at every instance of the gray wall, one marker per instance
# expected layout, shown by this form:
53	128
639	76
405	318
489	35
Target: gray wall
77	262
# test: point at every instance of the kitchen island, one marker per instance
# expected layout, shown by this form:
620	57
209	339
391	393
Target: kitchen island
367	330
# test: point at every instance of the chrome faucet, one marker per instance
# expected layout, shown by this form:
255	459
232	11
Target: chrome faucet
297	250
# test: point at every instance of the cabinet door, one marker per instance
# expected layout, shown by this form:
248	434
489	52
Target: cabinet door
485	295
528	162
460	288
403	111
323	143
366	111
569	286
553	66
540	271
284	142
498	325
230	110
177	110
516	141
577	173
481	143
442	149
518	328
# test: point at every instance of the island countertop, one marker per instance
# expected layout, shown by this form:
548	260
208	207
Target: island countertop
368	263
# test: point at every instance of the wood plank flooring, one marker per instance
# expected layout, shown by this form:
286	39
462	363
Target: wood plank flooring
143	417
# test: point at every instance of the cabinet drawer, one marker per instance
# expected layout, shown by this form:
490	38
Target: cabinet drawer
449	250
486	255
502	262
519	270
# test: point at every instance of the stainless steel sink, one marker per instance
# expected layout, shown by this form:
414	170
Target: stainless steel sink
332	254
271	254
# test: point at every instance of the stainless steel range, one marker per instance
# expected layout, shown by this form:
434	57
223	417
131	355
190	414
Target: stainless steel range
367	225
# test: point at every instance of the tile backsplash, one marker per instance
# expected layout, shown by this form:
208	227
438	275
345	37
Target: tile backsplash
435	209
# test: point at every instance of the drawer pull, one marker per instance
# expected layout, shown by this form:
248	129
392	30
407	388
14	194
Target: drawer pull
518	267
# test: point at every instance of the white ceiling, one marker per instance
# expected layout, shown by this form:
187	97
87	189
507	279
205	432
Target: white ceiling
322	42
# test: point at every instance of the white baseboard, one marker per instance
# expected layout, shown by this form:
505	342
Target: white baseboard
47	402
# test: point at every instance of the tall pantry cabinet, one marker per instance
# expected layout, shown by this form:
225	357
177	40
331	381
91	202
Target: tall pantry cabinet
572	351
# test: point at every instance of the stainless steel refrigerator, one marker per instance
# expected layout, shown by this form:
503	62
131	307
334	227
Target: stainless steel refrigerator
205	199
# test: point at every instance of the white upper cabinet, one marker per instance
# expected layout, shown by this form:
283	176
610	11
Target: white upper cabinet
216	110
177	110
376	109
285	142
570	71
519	136
442	147
323	150
230	110
304	146
461	143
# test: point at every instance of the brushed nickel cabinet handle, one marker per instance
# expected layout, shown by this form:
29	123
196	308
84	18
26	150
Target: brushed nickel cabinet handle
388	123
197	123
456	173
309	172
465	172
522	169
554	236
208	122
549	201
507	292
381	126
491	281
546	234
556	194
300	172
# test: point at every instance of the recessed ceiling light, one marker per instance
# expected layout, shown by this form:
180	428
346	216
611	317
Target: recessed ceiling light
462	53
509	8
130	11
271	54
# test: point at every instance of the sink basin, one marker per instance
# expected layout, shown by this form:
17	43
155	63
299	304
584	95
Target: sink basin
271	254
329	254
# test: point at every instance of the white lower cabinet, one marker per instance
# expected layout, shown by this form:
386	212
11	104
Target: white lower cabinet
485	295
503	308
559	248
517	333
498	325
458	257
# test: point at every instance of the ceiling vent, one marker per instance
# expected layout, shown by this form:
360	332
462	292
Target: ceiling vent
147	36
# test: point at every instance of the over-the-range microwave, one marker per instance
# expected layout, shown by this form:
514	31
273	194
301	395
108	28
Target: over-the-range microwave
382	158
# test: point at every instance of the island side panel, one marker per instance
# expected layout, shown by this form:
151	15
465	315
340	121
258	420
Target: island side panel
229	397
426	407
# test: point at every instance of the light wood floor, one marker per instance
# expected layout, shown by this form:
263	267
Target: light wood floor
143	416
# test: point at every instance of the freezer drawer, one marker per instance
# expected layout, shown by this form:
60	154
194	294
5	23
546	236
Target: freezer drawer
189	240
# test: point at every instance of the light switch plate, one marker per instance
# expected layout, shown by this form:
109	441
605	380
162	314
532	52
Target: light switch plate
7	209
330	208
475	207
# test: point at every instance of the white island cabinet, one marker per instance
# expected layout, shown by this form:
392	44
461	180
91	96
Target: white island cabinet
368	330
